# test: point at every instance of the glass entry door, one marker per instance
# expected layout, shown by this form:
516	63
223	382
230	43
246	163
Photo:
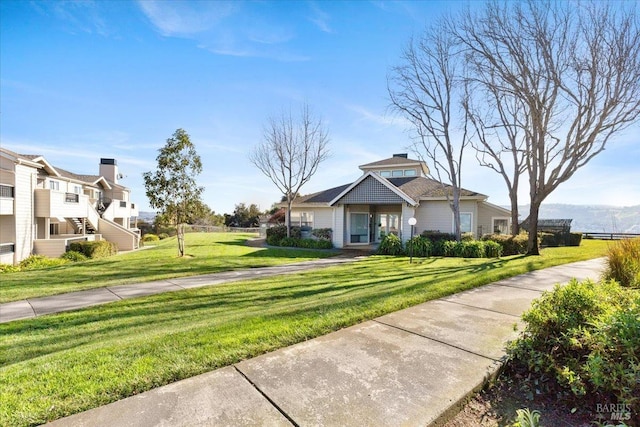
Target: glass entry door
359	227
387	224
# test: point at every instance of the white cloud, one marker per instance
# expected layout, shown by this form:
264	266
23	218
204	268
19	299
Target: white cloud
320	18
181	18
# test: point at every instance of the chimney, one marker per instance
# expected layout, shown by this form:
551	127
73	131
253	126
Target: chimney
403	155
109	169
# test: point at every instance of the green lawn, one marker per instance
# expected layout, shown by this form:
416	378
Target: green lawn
61	364
206	253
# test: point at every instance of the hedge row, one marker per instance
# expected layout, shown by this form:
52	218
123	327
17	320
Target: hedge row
421	246
277	236
95	249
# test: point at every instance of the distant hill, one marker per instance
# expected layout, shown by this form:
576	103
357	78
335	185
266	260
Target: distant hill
592	218
147	216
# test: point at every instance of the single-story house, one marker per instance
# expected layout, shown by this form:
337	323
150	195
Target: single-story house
383	199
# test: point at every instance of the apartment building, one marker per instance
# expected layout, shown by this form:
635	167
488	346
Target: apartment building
44	208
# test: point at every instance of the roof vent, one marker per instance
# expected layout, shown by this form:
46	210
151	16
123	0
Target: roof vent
403	155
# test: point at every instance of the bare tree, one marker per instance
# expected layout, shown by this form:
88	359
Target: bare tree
499	121
291	152
575	70
426	90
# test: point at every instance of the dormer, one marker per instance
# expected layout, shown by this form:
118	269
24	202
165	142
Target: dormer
398	166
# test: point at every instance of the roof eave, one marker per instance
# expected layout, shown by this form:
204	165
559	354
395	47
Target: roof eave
380	179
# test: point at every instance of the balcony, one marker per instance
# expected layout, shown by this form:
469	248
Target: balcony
6	199
52	203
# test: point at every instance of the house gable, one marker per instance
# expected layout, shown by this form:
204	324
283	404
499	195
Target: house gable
372	189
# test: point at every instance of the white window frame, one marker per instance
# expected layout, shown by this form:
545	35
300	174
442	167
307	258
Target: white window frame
54	185
412	172
493	222
296	218
453	223
385	174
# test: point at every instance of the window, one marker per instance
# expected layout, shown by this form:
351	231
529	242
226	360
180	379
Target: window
396	173
77	189
501	225
302	219
410	172
54	185
385	174
54	229
465	222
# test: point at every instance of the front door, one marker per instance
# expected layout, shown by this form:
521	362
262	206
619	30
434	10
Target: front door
388	223
359	228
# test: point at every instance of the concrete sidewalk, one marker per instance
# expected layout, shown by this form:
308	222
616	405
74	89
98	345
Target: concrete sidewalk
413	367
34	307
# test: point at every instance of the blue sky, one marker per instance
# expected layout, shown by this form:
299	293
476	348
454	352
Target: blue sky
88	79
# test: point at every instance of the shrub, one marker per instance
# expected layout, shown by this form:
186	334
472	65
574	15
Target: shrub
74	256
623	263
277	233
575	239
471	249
321	233
436	236
391	245
163	236
8	268
95	249
467	237
450	248
580	341
492	249
419	246
549	239
34	262
511	245
150	237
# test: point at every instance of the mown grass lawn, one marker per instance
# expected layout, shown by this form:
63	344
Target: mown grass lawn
205	253
61	364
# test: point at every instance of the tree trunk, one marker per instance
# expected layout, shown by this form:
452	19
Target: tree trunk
180	235
289	216
455	207
532	244
515	226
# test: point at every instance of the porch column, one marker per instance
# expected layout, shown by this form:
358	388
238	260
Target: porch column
338	226
47	228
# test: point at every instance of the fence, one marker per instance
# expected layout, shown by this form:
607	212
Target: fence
609	236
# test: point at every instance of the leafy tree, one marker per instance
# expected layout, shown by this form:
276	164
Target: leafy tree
291	152
172	188
244	216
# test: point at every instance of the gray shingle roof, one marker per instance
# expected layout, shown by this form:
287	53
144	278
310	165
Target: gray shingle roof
414	187
392	161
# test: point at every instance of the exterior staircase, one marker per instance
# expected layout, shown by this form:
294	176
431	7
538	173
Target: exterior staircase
77	225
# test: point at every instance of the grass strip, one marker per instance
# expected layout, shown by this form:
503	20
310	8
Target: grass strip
57	365
205	253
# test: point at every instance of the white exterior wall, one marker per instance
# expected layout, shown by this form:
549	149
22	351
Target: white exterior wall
50	203
323	218
433	215
405	230
26	178
338	226
486	214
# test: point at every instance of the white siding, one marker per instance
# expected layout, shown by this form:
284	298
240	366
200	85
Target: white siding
24	225
323	218
407	213
339	226
433	215
486	213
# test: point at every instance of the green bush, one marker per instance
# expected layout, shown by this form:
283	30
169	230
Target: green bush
511	245
279	232
549	239
467	237
74	256
623	263
451	248
34	262
575	239
295	242
150	237
419	246
322	233
95	249
581	341
492	249
437	236
391	245
8	268
471	249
